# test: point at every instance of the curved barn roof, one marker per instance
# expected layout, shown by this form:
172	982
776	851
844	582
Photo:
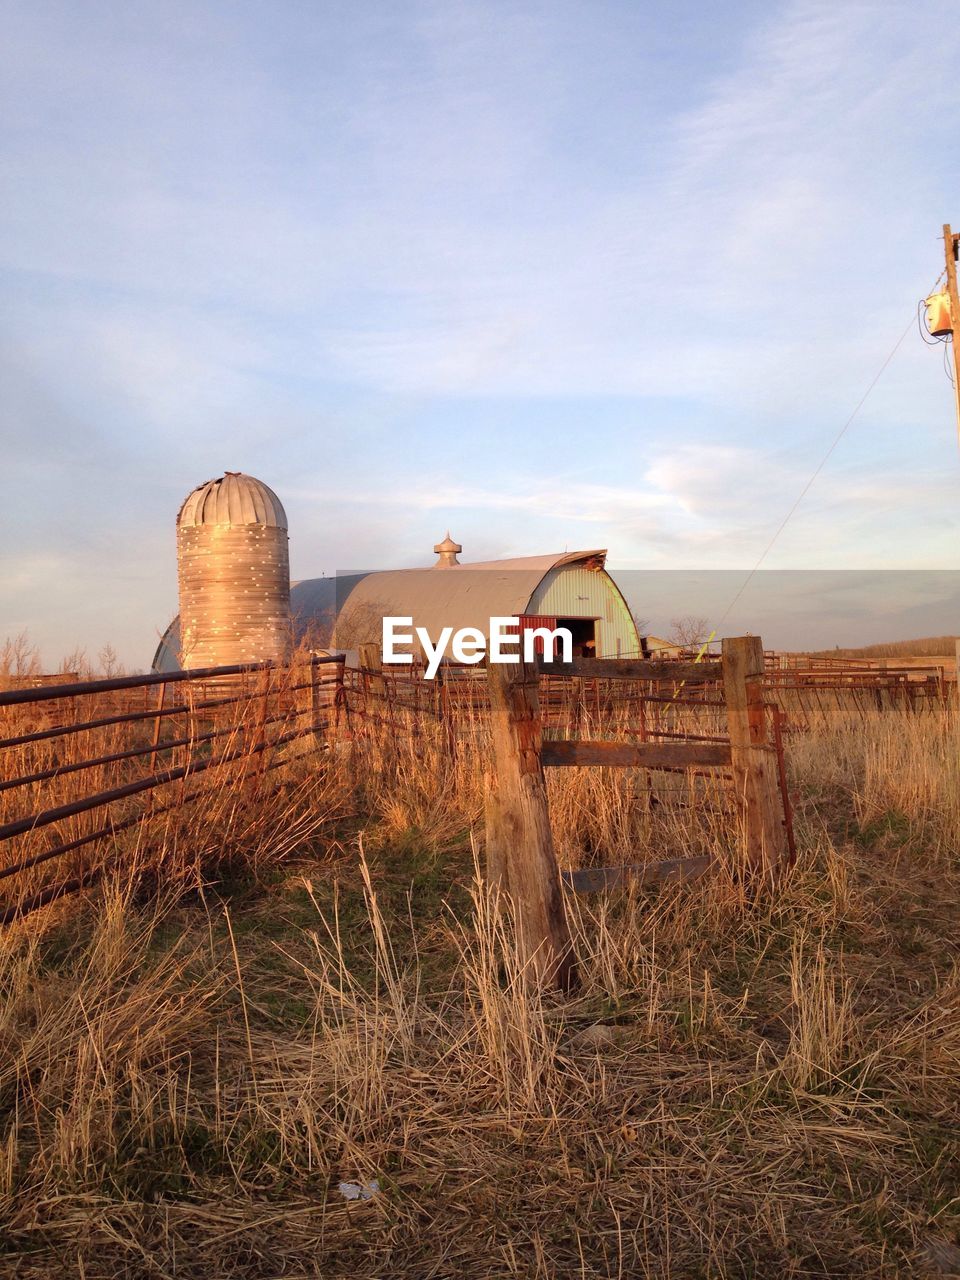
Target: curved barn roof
233	499
457	595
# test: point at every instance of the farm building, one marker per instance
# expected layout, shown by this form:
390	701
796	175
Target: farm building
571	590
657	647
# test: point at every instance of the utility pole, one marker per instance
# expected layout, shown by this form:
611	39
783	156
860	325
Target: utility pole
950	252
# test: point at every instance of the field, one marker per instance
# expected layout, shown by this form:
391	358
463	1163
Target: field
195	1059
908	652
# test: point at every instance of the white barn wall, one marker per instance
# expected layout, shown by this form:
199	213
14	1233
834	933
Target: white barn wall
571	591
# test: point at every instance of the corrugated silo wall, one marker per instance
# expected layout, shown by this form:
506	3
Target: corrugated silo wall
234	594
572	591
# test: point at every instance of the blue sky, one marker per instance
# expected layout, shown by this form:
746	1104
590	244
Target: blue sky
552	275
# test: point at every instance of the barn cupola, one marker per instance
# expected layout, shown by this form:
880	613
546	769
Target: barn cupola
448	551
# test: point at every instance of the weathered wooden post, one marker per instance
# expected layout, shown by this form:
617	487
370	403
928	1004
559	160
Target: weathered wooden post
313	701
327	687
371	664
158	725
255	733
520	854
495	836
753	756
442	711
339	703
372	682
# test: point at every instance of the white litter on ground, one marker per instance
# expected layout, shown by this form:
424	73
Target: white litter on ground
359	1190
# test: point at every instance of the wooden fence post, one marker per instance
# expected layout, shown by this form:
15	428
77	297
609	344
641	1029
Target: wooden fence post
326	693
158	726
371	664
338	704
520	852
495	838
254	735
310	703
753	757
443	713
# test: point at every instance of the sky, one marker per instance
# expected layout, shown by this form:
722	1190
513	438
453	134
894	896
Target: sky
550	275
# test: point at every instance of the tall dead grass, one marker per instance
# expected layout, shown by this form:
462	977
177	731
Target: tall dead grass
896	769
739	1088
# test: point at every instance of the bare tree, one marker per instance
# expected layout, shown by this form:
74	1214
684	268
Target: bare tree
75	664
689	631
110	664
19	658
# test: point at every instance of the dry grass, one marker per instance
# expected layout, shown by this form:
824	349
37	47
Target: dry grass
927	647
738	1089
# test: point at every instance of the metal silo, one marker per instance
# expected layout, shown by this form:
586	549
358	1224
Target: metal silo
234	573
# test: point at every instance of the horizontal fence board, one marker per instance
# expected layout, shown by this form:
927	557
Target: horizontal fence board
638	755
634	669
595	879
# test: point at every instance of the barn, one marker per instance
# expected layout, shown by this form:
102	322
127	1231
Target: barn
571	589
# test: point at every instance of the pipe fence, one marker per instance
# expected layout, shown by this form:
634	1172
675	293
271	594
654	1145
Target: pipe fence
85	762
82	762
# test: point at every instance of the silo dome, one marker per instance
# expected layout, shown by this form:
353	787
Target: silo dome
234	499
234	574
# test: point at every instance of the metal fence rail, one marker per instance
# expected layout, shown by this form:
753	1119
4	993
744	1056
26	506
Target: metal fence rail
392	699
82	762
